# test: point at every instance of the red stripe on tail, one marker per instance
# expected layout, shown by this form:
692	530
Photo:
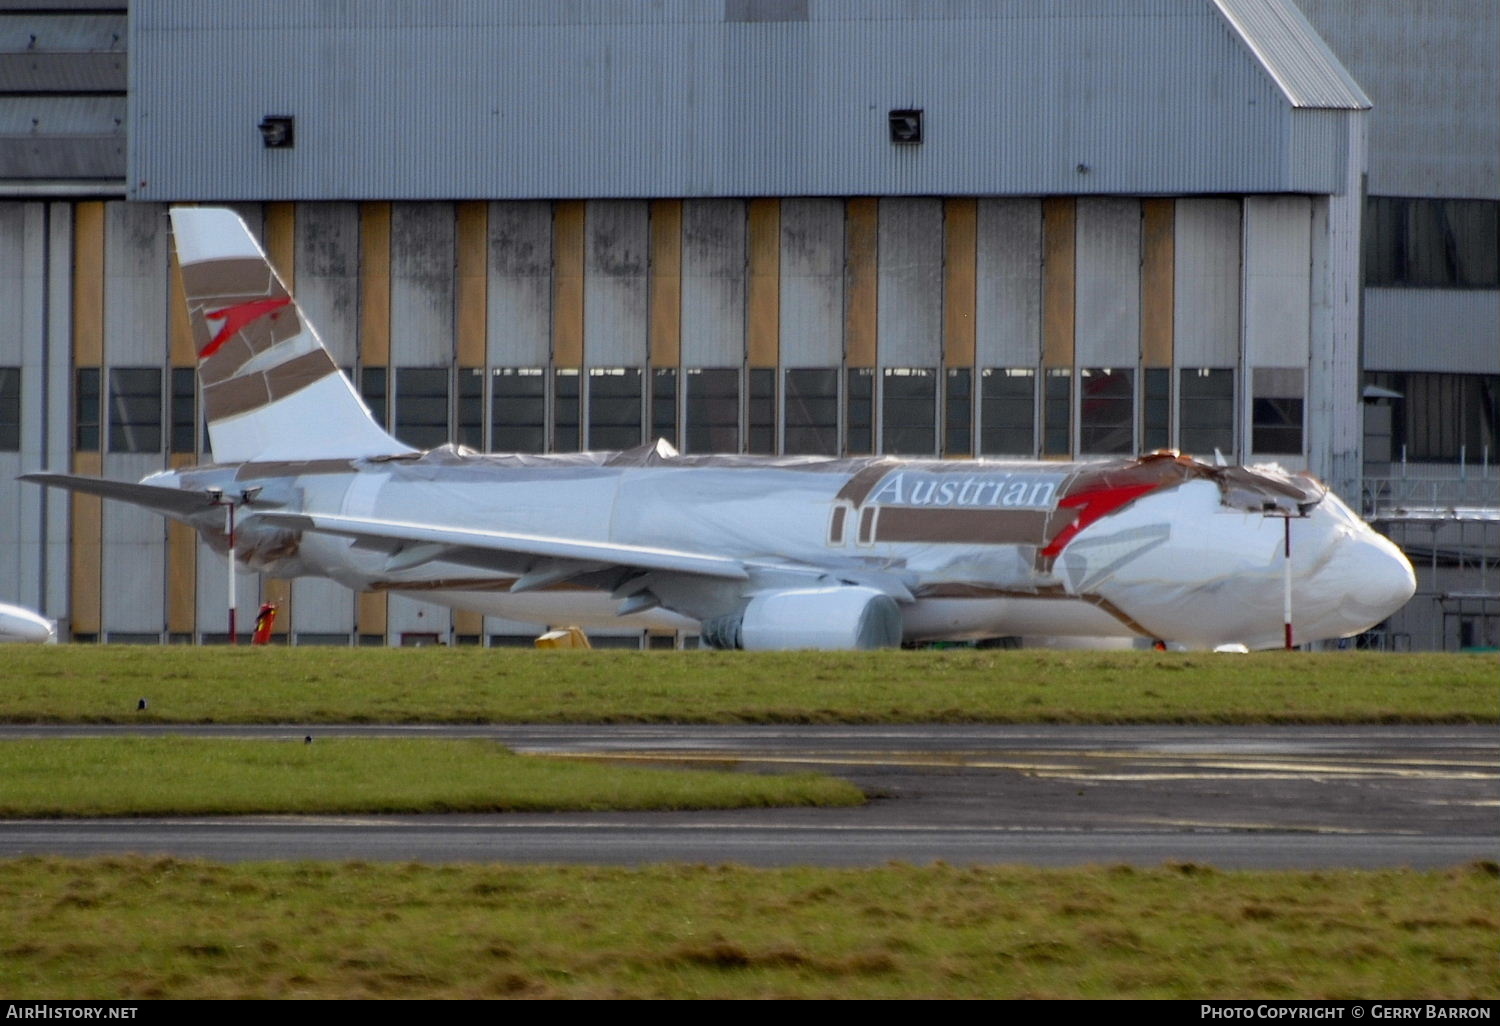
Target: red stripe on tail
236	318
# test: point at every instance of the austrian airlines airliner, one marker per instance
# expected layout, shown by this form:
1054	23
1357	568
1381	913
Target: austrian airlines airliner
750	552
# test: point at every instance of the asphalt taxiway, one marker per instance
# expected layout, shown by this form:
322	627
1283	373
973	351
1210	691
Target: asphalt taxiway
1234	797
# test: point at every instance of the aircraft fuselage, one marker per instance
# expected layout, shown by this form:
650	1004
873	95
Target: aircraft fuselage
1161	547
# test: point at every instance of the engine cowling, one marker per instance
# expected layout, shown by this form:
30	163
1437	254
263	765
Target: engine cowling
845	617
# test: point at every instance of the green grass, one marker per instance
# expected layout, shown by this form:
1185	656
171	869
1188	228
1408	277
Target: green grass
136	928
188	776
101	684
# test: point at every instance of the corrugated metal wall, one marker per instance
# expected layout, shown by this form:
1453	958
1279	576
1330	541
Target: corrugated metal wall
812	282
1434	131
713	283
1430	71
520	284
683	98
62	95
1207	286
35	323
1457	330
616	240
1108	282
1009	310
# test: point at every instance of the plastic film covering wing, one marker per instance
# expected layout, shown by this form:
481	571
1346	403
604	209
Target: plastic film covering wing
469	545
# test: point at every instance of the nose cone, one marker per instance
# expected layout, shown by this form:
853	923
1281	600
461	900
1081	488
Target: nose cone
1366	579
1391	580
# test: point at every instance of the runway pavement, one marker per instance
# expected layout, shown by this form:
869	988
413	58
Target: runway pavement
1234	797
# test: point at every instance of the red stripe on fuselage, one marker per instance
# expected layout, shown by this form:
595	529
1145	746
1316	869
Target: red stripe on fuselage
1091	506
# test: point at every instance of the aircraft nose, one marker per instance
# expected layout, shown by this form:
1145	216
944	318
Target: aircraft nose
1391	580
1368	579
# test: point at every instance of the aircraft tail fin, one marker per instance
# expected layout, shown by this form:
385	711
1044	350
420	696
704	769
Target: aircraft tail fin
271	391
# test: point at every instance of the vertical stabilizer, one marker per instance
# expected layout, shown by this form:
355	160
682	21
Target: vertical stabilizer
270	389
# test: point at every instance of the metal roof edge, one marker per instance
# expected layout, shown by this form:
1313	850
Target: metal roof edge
1284	43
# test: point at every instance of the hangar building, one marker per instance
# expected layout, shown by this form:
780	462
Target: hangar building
978	228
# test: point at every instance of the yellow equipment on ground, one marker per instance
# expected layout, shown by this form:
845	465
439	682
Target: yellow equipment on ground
564	637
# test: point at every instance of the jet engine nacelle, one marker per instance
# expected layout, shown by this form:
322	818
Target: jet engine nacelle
826	618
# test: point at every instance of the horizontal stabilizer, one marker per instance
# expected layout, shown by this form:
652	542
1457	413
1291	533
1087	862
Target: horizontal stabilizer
171	501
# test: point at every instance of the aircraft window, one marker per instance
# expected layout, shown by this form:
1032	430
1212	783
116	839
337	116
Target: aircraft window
373	388
1156	412
566	396
908	407
1205	397
10	409
958	412
713	409
762	411
1057	412
859	433
135	409
1276	414
470	426
86	410
614	407
812	411
184	409
664	404
1106	413
518	409
1007	411
422	406
836	525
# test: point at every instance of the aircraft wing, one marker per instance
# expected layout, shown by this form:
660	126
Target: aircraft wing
418	543
171	501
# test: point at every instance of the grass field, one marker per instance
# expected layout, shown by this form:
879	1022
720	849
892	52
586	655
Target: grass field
153	928
137	928
167	776
103	684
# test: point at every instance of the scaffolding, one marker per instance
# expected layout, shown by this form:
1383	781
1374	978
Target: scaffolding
1449	527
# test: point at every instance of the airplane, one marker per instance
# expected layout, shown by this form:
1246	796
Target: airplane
18	624
752	552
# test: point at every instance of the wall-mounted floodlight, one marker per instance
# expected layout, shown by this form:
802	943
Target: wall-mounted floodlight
276	131
906	127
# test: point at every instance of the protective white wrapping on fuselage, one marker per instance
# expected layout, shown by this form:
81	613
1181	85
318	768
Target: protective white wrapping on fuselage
1221	576
1158	548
